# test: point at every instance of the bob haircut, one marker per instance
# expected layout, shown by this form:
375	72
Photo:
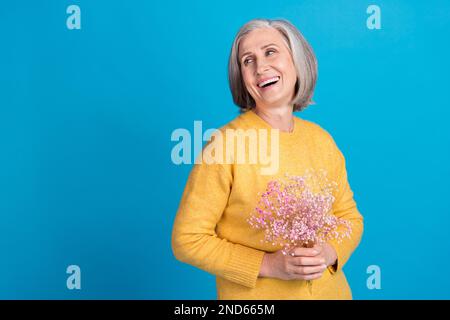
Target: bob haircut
302	55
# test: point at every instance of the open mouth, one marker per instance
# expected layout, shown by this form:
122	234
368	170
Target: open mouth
269	82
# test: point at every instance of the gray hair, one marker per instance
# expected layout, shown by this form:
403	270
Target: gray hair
302	55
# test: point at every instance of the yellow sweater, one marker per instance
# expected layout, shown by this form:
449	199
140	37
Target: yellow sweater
211	230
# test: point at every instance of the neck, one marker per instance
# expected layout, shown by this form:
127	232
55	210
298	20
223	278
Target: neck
279	118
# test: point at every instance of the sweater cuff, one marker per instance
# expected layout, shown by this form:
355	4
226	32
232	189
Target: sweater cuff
341	259
244	266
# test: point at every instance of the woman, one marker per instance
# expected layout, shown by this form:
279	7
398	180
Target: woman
272	73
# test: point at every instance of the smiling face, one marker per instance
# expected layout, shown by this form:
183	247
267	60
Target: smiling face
267	68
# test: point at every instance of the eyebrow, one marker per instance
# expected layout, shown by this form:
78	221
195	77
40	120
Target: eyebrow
263	47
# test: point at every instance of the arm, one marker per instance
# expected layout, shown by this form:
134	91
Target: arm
345	207
194	240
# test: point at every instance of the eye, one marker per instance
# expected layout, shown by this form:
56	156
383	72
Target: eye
246	61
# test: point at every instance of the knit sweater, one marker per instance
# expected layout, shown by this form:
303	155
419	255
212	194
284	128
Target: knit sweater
211	230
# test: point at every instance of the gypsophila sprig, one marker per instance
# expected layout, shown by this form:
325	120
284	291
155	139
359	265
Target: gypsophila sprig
297	211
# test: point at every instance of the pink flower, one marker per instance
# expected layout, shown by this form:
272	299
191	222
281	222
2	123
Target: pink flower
297	210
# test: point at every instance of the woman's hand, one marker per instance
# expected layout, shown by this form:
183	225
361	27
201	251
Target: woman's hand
327	252
300	264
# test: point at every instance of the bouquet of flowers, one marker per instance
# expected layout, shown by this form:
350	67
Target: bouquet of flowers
296	211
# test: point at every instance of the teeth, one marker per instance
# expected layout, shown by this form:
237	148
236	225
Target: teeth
268	81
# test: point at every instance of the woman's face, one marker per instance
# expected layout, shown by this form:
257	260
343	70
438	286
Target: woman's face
264	55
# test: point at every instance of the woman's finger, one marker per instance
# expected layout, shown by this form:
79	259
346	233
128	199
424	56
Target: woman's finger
318	248
311	276
308	252
307	261
309	270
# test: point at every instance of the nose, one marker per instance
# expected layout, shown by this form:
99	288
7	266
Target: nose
261	66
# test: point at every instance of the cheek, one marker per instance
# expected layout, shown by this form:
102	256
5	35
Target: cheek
246	78
289	70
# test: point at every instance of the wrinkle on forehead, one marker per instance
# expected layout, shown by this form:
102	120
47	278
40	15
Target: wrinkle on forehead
264	41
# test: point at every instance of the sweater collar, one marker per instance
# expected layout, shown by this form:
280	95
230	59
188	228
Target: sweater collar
256	121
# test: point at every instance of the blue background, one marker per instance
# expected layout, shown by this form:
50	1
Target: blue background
86	116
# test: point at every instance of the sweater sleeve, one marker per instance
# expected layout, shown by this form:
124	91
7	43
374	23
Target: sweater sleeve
194	240
345	208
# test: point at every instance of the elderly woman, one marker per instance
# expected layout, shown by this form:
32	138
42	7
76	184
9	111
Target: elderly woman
272	73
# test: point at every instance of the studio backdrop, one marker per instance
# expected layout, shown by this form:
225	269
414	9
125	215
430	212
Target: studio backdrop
92	91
